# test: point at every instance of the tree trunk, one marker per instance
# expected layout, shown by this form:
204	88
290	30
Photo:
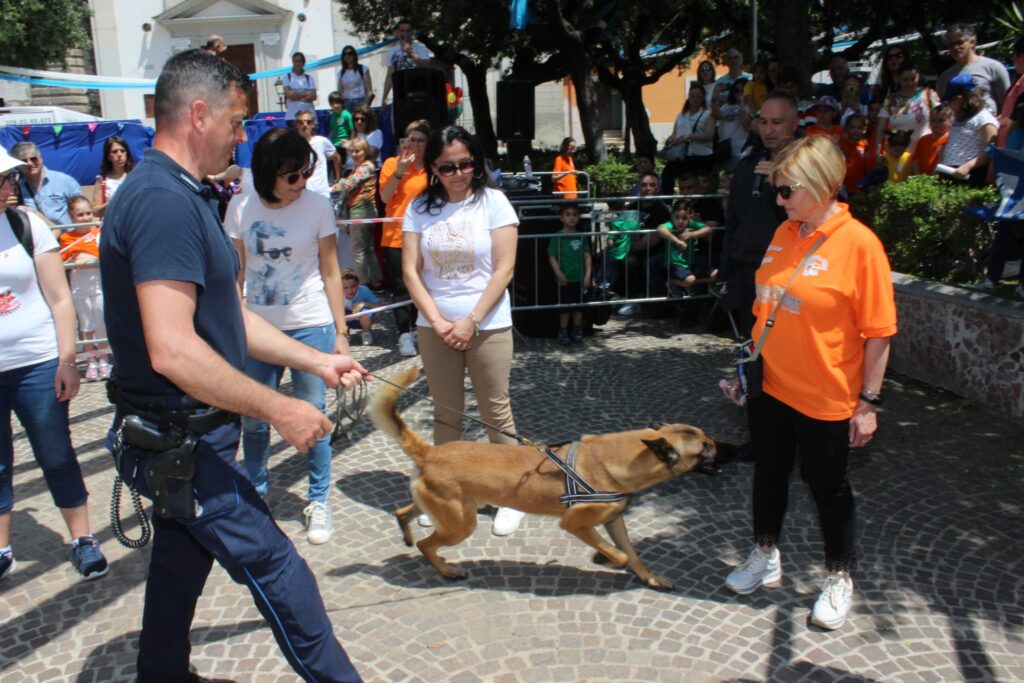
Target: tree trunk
793	36
483	125
637	120
590	119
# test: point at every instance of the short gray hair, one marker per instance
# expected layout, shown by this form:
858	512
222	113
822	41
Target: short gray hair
966	30
25	146
194	75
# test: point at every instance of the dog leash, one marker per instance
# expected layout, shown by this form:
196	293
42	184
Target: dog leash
573	481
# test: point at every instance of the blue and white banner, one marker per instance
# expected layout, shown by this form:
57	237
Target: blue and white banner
1009	172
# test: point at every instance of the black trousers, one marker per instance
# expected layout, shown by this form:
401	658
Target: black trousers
405	316
777	432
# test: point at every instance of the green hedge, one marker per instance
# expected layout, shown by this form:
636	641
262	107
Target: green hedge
924	229
611	177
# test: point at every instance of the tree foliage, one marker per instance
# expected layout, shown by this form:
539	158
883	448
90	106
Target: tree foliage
34	33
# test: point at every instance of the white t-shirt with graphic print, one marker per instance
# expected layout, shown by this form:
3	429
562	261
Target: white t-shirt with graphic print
27	332
282	257
456	246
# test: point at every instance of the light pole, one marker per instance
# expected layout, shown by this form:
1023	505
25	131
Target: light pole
753	32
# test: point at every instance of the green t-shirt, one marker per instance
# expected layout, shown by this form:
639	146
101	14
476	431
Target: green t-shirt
674	255
569	251
619	245
341	127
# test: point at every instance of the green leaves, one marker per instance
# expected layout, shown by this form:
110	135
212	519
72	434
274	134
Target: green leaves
34	33
611	177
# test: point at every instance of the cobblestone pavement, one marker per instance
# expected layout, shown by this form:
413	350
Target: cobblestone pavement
939	591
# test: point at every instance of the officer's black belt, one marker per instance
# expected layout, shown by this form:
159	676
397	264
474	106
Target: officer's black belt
188	415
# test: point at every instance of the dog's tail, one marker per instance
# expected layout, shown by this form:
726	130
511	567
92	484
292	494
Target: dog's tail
386	418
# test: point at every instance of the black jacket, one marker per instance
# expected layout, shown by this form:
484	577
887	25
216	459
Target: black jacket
750	221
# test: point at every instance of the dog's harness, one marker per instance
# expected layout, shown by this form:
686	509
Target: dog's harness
574	483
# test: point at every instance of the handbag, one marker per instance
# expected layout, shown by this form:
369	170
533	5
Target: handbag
676	152
749	365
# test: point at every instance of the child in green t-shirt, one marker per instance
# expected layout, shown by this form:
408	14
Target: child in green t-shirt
680	235
341	124
570	258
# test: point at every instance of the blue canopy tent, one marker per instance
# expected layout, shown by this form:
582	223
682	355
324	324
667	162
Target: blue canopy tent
1009	172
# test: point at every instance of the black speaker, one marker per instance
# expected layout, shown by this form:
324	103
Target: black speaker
419	94
515	110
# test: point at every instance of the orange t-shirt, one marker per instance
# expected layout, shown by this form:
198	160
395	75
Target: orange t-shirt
83	244
835	132
814	354
859	162
567	183
927	152
409	187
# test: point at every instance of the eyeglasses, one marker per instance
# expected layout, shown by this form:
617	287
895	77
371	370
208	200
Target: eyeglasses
275	254
959	41
292	177
786	191
303	122
894	55
11	178
30	160
449	169
358	118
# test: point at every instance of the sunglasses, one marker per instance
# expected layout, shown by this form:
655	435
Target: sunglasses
449	169
274	254
11	178
30	160
292	177
786	191
954	43
358	118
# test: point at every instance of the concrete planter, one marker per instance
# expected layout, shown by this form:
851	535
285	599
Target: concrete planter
967	342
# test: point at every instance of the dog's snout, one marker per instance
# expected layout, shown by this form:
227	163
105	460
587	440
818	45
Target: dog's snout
724	452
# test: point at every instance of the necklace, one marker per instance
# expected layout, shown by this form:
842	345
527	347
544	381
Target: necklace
805	230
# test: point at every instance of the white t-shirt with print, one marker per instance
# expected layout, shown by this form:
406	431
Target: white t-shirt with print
318	181
27	332
282	258
399	60
457	260
300	84
965	141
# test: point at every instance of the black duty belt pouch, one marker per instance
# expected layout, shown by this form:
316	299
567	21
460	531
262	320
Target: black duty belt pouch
170	468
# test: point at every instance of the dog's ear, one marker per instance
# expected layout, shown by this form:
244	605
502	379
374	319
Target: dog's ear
655	425
663	449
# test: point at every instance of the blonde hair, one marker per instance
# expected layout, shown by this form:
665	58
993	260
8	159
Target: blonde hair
815	162
360	143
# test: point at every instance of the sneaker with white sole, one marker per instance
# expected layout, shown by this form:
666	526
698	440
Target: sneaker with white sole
759	569
425	520
985	285
506	521
834	602
629	309
406	346
105	368
319	525
367	337
92	370
87	559
7	564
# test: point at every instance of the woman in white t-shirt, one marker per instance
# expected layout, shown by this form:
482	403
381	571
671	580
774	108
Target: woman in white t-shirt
974	129
458	256
285	237
365	124
299	88
38	376
354	82
117	162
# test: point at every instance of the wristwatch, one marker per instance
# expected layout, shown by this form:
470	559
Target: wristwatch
871	397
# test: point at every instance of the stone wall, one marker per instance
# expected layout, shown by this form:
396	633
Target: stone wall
79	61
967	342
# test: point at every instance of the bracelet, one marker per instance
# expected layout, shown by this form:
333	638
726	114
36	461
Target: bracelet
869	397
68	365
476	322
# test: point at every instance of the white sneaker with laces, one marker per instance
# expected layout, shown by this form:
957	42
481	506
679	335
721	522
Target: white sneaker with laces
406	347
629	309
319	525
834	602
367	337
425	520
759	569
506	521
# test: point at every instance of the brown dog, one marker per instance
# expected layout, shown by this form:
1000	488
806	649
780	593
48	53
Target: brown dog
457	478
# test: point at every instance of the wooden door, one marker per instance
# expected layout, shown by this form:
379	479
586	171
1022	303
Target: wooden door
244	57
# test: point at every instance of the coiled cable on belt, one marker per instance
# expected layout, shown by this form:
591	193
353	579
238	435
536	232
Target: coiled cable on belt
115	517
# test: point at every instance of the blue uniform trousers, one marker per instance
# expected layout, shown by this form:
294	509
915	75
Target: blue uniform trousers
235	529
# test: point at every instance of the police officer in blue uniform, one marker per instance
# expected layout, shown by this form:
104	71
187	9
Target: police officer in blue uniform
180	334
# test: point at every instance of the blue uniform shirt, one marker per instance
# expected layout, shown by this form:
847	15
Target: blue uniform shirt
51	199
161	225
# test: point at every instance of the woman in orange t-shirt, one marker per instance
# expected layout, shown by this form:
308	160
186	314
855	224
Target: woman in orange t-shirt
563	182
402	179
823	360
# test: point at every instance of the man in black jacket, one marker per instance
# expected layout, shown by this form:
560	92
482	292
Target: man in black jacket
752	214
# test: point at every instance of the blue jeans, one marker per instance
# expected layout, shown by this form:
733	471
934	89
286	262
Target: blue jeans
310	388
29	392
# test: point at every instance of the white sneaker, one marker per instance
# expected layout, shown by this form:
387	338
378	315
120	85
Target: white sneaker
319	525
629	309
834	602
425	520
367	337
506	521
759	569
406	346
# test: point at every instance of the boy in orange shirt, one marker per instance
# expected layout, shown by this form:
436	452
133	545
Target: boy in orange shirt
80	246
859	156
929	147
825	111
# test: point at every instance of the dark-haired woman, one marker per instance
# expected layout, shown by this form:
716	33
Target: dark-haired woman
974	129
733	117
889	72
285	237
563	179
117	162
907	108
354	81
299	88
458	257
694	130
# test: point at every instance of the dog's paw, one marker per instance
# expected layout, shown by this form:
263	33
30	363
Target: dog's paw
659	583
453	574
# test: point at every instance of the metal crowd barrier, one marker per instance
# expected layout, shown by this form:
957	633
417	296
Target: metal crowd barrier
584	191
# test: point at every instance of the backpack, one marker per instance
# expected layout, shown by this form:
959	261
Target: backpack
21	229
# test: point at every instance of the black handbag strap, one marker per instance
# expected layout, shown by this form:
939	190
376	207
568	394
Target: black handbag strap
768	324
